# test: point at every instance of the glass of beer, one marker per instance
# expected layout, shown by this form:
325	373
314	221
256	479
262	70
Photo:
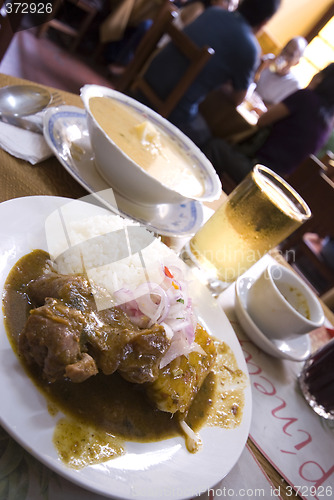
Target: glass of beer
316	381
260	213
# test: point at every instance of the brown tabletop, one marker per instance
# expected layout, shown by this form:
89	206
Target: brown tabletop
20	178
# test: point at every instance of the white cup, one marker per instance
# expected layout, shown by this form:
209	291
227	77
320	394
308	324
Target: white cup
282	305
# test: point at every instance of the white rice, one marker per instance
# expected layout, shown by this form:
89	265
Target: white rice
103	258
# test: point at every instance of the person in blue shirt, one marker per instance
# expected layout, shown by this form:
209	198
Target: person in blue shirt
233	65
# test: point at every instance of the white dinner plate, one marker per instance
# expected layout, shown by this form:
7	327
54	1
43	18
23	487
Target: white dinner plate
65	131
297	349
163	469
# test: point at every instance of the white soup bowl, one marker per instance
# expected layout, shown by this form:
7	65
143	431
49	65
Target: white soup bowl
282	305
126	176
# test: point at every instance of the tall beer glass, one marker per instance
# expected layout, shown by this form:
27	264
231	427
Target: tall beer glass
260	213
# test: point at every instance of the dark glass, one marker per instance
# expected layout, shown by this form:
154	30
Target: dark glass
317	381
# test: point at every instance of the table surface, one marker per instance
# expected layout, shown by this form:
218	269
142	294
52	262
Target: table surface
19	178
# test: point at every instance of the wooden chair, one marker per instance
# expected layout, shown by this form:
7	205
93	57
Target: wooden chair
317	189
134	76
89	9
328	160
328	299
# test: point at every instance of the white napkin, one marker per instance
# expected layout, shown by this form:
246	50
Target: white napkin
24	144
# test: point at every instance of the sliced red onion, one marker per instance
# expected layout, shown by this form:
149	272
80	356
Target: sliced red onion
168	330
166	303
178	348
154	310
123	295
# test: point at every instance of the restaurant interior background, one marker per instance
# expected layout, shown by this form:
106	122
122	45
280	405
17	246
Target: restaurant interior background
49	60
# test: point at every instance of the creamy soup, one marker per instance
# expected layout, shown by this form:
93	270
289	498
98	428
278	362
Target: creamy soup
295	298
148	146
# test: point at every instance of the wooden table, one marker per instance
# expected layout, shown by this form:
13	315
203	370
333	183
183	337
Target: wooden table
19	178
224	119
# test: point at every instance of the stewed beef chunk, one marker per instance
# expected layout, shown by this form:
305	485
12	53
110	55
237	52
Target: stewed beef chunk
143	354
74	290
117	344
52	339
82	369
68	336
178	382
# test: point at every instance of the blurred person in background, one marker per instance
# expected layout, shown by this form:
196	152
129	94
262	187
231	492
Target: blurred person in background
191	9
123	29
232	35
274	78
327	250
139	18
324	247
286	134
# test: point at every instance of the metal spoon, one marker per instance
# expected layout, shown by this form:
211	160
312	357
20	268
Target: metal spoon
18	101
23	100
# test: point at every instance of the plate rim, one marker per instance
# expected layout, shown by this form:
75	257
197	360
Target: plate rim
75	477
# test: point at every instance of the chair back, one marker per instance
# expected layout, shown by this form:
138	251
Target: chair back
317	189
84	13
328	161
134	76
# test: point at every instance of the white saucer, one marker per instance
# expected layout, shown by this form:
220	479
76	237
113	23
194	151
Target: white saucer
65	131
297	349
